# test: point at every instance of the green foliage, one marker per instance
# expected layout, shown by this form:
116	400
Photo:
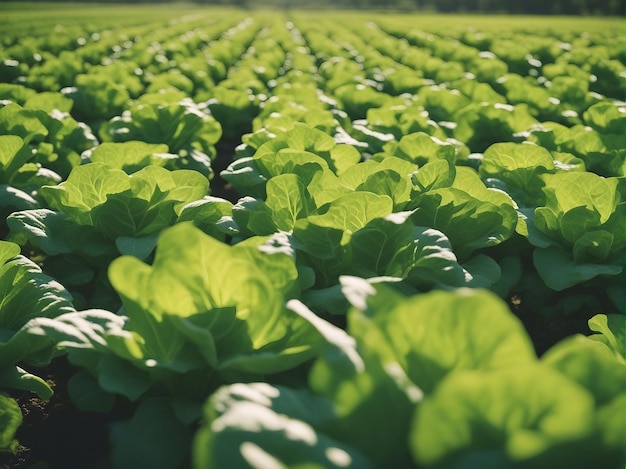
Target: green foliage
427	214
185	128
579	231
10	419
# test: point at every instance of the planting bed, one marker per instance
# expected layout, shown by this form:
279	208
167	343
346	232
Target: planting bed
260	239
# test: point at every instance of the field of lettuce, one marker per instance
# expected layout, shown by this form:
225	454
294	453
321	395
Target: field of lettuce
253	239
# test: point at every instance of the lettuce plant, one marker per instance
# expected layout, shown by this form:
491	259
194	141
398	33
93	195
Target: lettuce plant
100	212
455	201
481	124
420	148
517	168
11	418
184	127
106	205
183	318
366	385
293	149
578	233
27	293
465	395
56	138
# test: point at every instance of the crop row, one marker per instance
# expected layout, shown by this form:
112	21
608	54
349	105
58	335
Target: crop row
406	201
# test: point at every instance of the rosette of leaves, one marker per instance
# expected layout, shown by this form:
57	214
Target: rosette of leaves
284	153
391	391
441	103
365	387
26	294
234	109
455	201
54	72
601	148
482	124
517	169
356	99
188	130
57	140
97	96
100	212
203	313
420	148
578	233
398	120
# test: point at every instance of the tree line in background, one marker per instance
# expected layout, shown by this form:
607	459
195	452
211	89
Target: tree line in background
534	7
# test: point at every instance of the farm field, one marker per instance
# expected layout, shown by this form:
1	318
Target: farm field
327	239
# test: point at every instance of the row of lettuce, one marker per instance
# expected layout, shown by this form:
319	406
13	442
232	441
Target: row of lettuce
349	309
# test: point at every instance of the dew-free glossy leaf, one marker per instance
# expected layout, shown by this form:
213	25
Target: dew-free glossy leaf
258	424
502	418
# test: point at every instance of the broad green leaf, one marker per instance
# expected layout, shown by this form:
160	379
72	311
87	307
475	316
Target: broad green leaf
14	377
520	167
285	160
323	185
25	123
258	424
433	175
55	233
435	333
612	332
14	200
567	191
245	175
153	437
86	188
275	257
602	153
49	101
197	283
481	271
130	156
13	155
324	232
87	395
26	292
559	271
606	117
117	204
351	212
390	183
591	364
517	417
10	421
252	217
205	213
343	158
309	142
421	148
357	378
469	222
288	200
39	338
141	248
393	246
361	172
